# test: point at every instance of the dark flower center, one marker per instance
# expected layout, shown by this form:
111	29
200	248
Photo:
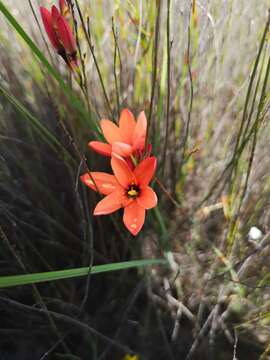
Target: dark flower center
133	191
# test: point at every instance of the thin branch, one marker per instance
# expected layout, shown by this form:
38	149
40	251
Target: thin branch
168	87
154	73
91	47
114	68
190	102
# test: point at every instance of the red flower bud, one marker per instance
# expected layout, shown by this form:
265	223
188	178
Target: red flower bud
65	35
55	16
50	28
60	34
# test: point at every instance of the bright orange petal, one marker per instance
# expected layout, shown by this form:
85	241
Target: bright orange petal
145	171
139	144
122	171
121	149
110	131
109	204
133	218
101	182
127	125
147	198
101	148
140	131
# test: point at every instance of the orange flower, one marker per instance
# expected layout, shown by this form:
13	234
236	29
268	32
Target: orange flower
126	189
124	140
60	35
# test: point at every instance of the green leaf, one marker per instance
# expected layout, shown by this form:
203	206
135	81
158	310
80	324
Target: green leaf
15	280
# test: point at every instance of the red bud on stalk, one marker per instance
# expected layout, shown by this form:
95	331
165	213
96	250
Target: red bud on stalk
60	33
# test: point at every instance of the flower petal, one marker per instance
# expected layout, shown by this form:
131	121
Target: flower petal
121	149
139	134
133	218
145	171
101	182
139	144
47	22
109	204
101	148
122	171
147	198
66	36
110	131
127	125
55	16
130	163
64	8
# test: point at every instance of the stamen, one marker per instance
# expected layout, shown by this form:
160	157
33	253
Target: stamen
133	191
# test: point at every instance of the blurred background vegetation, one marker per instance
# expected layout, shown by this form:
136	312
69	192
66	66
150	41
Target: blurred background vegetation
200	70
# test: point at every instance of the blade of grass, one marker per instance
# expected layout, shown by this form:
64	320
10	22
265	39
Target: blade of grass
42	130
15	280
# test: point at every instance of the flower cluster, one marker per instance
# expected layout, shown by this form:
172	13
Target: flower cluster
133	169
60	33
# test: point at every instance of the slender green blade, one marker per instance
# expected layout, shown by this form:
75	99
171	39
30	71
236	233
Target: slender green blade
42	130
15	280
